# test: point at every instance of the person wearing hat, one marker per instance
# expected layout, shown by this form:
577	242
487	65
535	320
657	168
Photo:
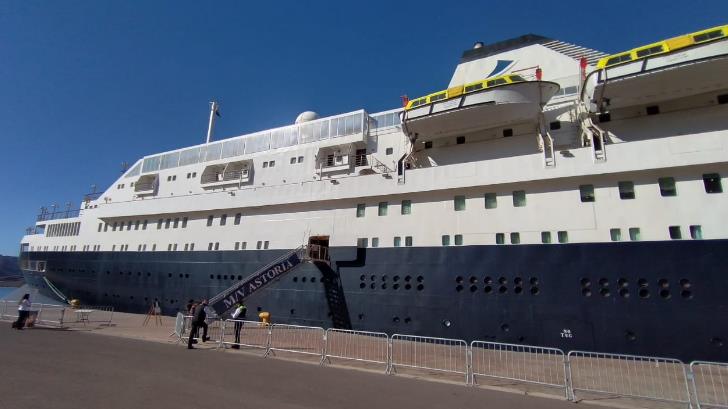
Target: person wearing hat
239	316
198	321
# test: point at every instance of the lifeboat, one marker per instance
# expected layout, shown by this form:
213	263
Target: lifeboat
487	104
683	66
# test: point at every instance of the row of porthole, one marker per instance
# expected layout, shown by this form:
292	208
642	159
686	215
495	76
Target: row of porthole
139	274
501	289
395	286
502	280
643	291
395	279
623	282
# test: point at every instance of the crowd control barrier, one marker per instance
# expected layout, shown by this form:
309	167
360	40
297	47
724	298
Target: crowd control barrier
297	339
362	346
435	354
253	334
710	384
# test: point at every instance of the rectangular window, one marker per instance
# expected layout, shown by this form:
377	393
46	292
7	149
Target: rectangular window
128	226
675	233
210	220
154	247
375	241
408	241
388	151
459	203
176	223
144	225
587	193
244	245
458	239
184	222
300	159
223	220
169	247
519	198
361	209
238	216
615	234
383	208
136	225
159	224
237	245
113	247
265	244
397	241
712	183
515	238
271	164
634	233
217	246
460	140
696	232
667	186
626	190
293	160
546	237
209	246
100	226
563	237
187	245
428	145
106	227
362	242
259	245
500	238
174	248
406	207
491	202
445	240
114	227
167	223
265	164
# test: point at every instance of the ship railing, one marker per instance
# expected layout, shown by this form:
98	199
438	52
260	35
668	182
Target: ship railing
428	353
64	214
235	175
710	384
630	376
519	363
361	346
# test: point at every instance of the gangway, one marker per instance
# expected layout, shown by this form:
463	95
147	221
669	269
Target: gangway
261	278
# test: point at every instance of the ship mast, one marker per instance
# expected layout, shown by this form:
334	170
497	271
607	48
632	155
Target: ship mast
213	113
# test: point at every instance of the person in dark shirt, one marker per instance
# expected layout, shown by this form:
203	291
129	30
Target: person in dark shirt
198	321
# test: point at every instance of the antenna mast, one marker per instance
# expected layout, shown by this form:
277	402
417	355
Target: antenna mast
213	113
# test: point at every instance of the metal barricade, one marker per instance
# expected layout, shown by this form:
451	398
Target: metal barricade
521	363
10	310
296	339
50	315
363	346
3	306
253	334
643	377
710	383
437	354
103	314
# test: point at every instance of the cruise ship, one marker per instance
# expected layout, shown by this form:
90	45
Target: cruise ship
549	195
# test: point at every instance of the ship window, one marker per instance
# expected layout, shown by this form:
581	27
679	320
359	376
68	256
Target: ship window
587	193
712	183
238	216
408	241
209	246
675	233
473	87
166	223
507	132
445	240
259	244
106	226
209	220
491	201
184	222
271	164
174	248
555	125
265	164
243	245
176	223
696	232
194	174
154	247
710	35
563	236
615	234
634	233
515	238
362	242
500	238
159	224
187	246
652	110
649	51
136	225
265	244
458	239
237	245
571	90
667	186
300	159
112	229
618	59
438	97
722	99
626	190
519	198
100	226
293	160
516	78
546	237
383	208
406	207
217	246
360	209
389	151
499	81
375	241
397	241
460	140
223	220
459	203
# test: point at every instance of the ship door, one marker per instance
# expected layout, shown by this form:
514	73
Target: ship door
318	247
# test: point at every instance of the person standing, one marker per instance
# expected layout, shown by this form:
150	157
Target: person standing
239	316
23	312
198	321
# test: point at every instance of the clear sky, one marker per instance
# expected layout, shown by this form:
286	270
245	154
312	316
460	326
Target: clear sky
86	85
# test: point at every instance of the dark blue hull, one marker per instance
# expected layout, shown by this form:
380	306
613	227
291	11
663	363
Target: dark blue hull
649	298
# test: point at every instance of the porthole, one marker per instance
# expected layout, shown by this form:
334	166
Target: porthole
622	282
624	293
604	292
502	281
295	279
361	317
642	282
518	290
488	280
362	277
473	280
505	328
420	287
212	277
384	286
663	283
420	279
240	278
630	336
459	279
407	286
395	278
685	283
604	282
585	282
395	286
395	320
488	289
686	294
293	311
644	293
303	279
373	277
139	273
716	341
313	279
407	278
518	281
362	285
219	277
150	274
533	281
473	288
446	324
535	290
384	277
169	275
665	294
458	288
503	289
586	292
407	320
187	276
180	276
372	286
259	309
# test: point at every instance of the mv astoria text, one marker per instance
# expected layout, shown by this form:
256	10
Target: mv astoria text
550	195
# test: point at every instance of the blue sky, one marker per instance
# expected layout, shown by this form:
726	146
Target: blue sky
86	85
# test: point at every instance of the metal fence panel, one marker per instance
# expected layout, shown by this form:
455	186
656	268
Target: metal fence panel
253	334
437	354
49	314
361	346
645	377
524	363
297	338
710	382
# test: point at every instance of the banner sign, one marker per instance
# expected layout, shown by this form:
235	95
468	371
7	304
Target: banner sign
254	283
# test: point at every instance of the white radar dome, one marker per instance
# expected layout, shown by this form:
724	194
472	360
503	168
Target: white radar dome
306	116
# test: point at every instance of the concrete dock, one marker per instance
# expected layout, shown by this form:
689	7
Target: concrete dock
117	367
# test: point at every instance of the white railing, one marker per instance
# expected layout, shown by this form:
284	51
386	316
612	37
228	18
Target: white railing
435	354
252	334
296	339
362	346
710	384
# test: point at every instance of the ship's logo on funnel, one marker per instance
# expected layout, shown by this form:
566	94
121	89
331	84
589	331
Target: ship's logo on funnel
501	66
